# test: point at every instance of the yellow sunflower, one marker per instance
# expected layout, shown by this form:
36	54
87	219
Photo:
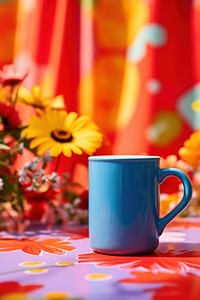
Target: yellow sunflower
190	153
37	99
62	132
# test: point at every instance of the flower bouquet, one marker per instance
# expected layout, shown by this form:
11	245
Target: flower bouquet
37	130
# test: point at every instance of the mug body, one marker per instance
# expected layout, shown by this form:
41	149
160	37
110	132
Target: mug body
123	204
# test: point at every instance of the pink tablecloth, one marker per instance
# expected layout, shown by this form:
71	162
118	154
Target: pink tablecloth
59	264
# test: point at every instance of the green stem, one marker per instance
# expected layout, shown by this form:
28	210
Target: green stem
15	96
27	269
4	164
4	199
10	95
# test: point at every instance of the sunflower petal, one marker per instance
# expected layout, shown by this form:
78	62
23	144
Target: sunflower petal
75	149
36	90
42	149
81	122
25	96
66	150
71	117
36	142
56	149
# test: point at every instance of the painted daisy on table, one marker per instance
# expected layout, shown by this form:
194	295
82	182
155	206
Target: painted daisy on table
59	132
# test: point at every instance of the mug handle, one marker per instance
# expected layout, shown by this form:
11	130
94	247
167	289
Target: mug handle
162	174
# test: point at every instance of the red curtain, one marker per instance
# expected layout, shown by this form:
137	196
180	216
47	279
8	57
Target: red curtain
132	65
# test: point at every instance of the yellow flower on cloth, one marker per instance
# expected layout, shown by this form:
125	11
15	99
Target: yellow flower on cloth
37	99
62	132
191	150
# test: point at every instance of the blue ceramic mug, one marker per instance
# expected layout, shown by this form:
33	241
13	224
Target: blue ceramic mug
124	203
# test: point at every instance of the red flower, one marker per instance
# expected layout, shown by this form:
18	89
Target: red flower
84	200
32	196
36	210
38	203
9	115
11	287
10	75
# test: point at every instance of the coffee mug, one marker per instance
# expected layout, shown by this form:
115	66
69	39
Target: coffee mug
124	195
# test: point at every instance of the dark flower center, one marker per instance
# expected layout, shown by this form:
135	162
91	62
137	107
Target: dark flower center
61	136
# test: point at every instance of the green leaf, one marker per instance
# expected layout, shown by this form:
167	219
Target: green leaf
4	147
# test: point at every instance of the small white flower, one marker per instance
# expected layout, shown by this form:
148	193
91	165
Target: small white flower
77	201
44	179
21	172
39	174
34	166
29	188
27	165
21	146
53	176
1	184
67	206
47	157
23	178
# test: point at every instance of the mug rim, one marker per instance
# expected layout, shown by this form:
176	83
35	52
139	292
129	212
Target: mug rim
123	157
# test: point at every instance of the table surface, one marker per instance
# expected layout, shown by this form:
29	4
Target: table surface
59	264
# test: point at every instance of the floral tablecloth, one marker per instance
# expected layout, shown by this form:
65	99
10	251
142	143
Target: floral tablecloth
59	264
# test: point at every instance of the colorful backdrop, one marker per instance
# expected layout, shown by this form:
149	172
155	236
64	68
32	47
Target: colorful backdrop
132	65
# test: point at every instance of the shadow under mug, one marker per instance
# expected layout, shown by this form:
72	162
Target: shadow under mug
124	196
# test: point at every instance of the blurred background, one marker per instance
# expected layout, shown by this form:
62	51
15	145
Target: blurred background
132	65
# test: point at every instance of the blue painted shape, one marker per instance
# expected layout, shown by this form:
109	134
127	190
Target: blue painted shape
184	106
152	34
